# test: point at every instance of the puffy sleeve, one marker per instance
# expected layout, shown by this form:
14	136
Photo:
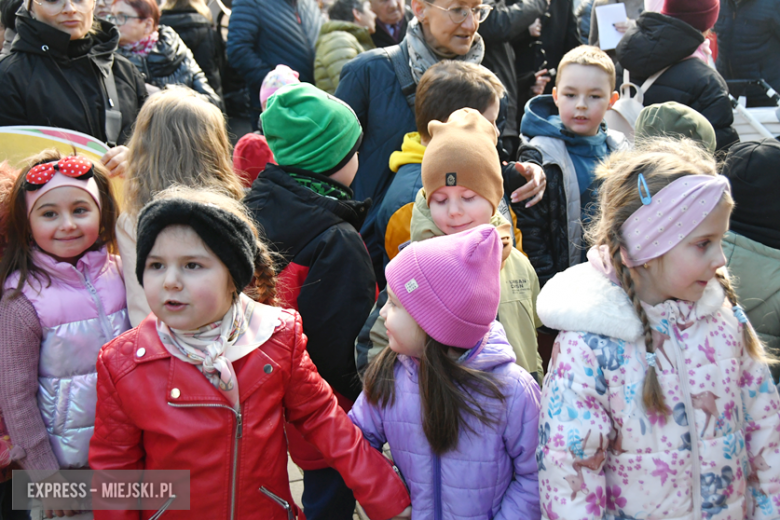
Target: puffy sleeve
574	426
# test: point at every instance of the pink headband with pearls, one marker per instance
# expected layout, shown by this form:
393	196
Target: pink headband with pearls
666	218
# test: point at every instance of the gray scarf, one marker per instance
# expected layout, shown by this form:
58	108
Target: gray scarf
422	57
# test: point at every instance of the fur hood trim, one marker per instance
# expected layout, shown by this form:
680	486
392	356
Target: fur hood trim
583	299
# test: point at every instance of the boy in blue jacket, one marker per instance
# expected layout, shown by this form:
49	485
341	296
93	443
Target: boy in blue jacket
567	127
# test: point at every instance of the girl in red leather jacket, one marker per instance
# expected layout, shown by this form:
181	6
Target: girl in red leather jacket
206	381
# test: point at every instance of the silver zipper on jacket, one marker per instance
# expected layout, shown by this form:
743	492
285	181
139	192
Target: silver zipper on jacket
279	500
163	509
102	316
682	373
239	434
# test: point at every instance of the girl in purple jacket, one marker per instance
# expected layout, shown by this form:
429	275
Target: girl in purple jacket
460	416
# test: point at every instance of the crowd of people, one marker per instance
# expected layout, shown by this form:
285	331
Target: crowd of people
432	243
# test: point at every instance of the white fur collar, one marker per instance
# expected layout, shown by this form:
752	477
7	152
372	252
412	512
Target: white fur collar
582	299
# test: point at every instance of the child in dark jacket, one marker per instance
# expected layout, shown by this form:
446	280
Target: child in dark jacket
567	128
305	207
671	39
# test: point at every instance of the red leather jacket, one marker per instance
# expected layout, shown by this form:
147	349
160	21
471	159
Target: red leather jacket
140	424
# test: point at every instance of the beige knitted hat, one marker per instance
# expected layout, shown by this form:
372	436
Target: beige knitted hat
462	152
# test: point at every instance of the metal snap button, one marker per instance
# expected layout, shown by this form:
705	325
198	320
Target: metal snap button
140	352
175	393
268	369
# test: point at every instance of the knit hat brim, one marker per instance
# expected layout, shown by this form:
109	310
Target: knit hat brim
228	237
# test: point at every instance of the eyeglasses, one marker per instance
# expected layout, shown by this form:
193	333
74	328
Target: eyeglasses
458	15
55	6
120	19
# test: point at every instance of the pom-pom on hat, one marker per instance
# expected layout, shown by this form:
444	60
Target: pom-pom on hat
462	152
282	75
450	284
308	128
250	157
700	14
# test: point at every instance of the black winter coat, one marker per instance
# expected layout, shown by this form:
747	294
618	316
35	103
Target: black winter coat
382	38
658	41
544	228
170	62
326	273
503	24
749	43
199	35
41	84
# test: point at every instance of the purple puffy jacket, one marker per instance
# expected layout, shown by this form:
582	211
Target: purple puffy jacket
492	474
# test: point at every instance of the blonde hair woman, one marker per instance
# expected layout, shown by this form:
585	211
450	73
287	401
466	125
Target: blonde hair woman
179	138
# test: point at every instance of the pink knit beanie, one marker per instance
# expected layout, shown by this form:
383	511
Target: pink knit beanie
450	284
282	75
700	14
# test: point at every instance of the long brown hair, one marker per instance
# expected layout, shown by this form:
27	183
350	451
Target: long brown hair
178	138
661	161
263	285
18	253
449	392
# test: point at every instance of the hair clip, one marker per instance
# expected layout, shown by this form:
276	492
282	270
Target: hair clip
650	358
739	313
646	198
71	166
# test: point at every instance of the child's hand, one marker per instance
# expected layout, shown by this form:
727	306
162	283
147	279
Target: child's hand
533	188
535	29
405	514
116	160
542	79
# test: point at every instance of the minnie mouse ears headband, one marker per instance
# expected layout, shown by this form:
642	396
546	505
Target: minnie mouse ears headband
69	171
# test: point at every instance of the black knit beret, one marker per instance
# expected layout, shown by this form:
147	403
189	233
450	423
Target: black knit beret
229	237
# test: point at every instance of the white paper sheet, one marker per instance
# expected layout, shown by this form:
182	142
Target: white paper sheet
606	17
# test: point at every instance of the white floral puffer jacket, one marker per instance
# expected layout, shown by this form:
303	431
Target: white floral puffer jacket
601	454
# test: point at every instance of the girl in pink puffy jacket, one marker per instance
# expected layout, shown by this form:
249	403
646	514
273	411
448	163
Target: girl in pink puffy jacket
63	297
658	402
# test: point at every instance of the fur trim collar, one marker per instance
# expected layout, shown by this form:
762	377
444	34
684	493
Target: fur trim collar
583	299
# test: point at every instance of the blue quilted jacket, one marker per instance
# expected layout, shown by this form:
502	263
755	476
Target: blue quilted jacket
265	33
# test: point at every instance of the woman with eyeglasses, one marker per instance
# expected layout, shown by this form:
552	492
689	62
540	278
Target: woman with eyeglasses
380	87
59	74
384	100
156	50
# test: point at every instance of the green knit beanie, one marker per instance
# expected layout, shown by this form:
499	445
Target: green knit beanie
309	129
675	120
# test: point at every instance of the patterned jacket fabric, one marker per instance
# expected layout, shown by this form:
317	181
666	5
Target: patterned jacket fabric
603	454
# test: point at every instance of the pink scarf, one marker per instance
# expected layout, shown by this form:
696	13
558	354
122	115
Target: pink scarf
144	46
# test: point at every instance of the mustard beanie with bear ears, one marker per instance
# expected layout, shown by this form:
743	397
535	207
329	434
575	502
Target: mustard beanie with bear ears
462	152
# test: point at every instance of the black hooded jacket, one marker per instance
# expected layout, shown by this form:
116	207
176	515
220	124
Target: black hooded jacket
326	273
47	80
659	41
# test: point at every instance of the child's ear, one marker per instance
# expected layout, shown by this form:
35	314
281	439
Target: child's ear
615	96
555	96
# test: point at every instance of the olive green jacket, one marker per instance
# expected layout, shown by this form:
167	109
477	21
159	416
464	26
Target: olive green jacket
338	43
755	271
